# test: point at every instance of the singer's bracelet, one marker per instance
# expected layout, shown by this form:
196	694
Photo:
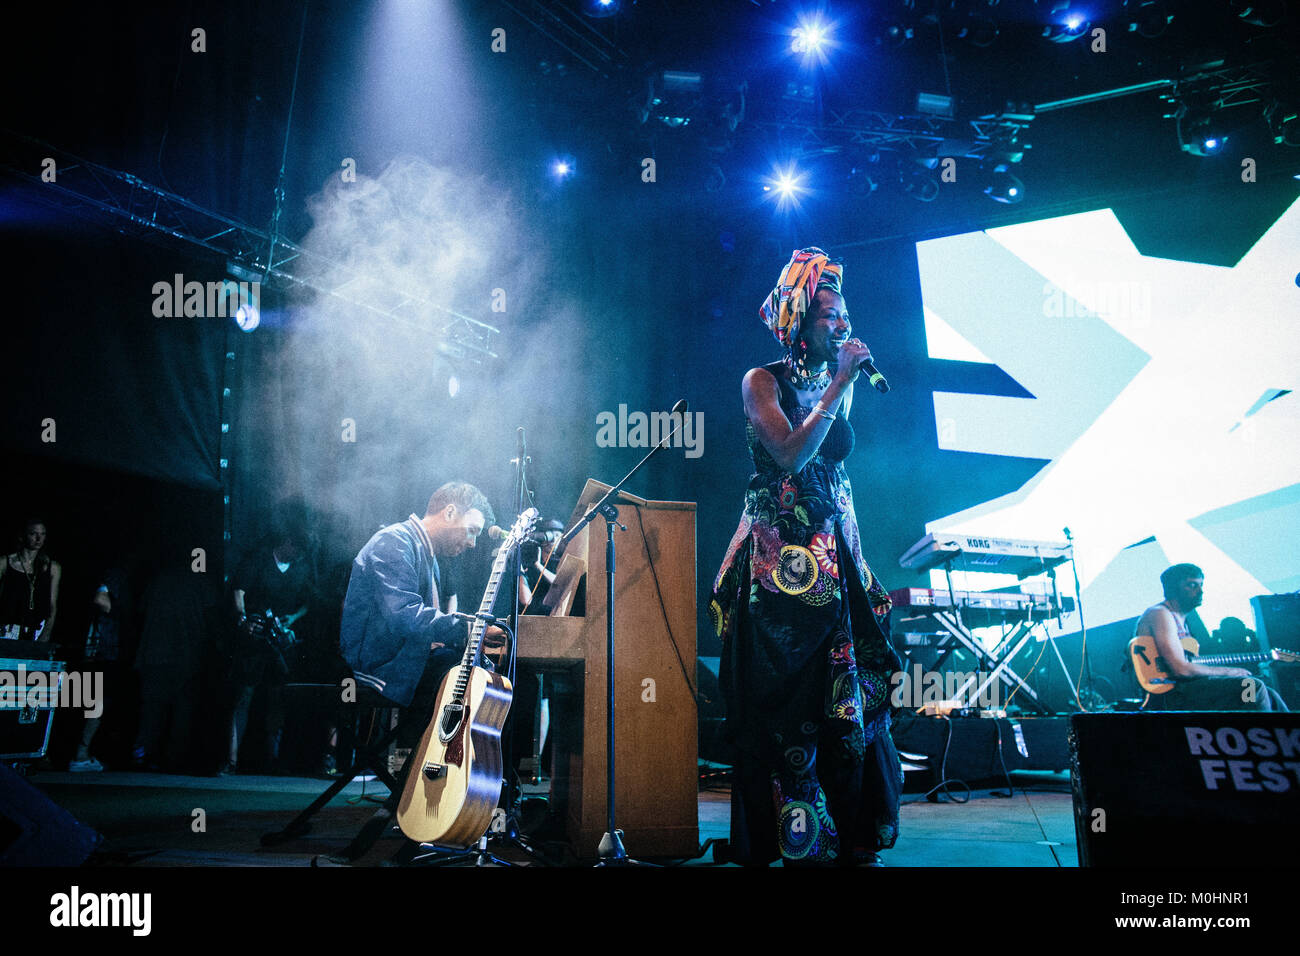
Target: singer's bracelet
821	410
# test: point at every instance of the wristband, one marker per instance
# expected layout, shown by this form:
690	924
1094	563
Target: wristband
819	409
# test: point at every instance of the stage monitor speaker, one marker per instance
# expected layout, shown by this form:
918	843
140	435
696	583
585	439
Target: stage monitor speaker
1186	789
1277	624
34	831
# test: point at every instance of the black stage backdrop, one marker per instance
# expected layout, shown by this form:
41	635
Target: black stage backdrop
94	377
620	292
629	304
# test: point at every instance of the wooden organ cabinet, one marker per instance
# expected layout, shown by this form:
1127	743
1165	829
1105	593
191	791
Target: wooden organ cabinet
656	780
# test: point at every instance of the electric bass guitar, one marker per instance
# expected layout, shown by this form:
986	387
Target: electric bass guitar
455	776
1151	670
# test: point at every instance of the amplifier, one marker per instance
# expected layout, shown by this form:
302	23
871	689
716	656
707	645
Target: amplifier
1277	623
29	692
1186	789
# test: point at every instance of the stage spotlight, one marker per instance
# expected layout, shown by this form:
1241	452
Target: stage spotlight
1200	134
600	8
563	168
785	185
1003	187
248	317
674	98
799	92
935	104
1260	13
811	39
895	33
920	184
243	273
978	30
453	386
241	300
1148	18
1068	29
861	181
1283	123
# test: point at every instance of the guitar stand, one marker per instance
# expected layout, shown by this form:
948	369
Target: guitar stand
510	836
428	854
507	834
481	856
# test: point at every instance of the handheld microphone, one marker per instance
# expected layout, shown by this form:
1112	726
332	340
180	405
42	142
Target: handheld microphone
875	377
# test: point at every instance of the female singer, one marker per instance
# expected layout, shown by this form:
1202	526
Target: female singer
806	665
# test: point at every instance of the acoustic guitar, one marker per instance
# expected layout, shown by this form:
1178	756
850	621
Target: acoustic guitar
454	783
1151	670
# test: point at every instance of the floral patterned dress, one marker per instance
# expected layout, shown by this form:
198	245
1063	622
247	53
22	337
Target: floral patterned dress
806	665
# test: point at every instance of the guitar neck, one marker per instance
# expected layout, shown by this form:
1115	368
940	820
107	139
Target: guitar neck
522	526
480	625
484	610
1255	658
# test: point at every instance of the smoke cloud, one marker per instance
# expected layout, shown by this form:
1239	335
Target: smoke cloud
361	423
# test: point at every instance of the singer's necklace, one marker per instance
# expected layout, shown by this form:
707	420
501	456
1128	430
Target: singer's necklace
804	379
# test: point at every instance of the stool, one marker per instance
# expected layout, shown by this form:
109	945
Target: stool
370	756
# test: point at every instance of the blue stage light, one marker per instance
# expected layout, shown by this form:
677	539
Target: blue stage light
810	39
785	186
1073	26
600	8
248	317
1200	133
1001	186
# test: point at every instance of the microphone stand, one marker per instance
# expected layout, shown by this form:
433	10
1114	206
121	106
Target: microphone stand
509	832
611	850
1086	680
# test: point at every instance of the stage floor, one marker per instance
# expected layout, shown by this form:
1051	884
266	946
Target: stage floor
149	820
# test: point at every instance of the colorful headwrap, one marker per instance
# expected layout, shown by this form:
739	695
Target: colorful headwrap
807	271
